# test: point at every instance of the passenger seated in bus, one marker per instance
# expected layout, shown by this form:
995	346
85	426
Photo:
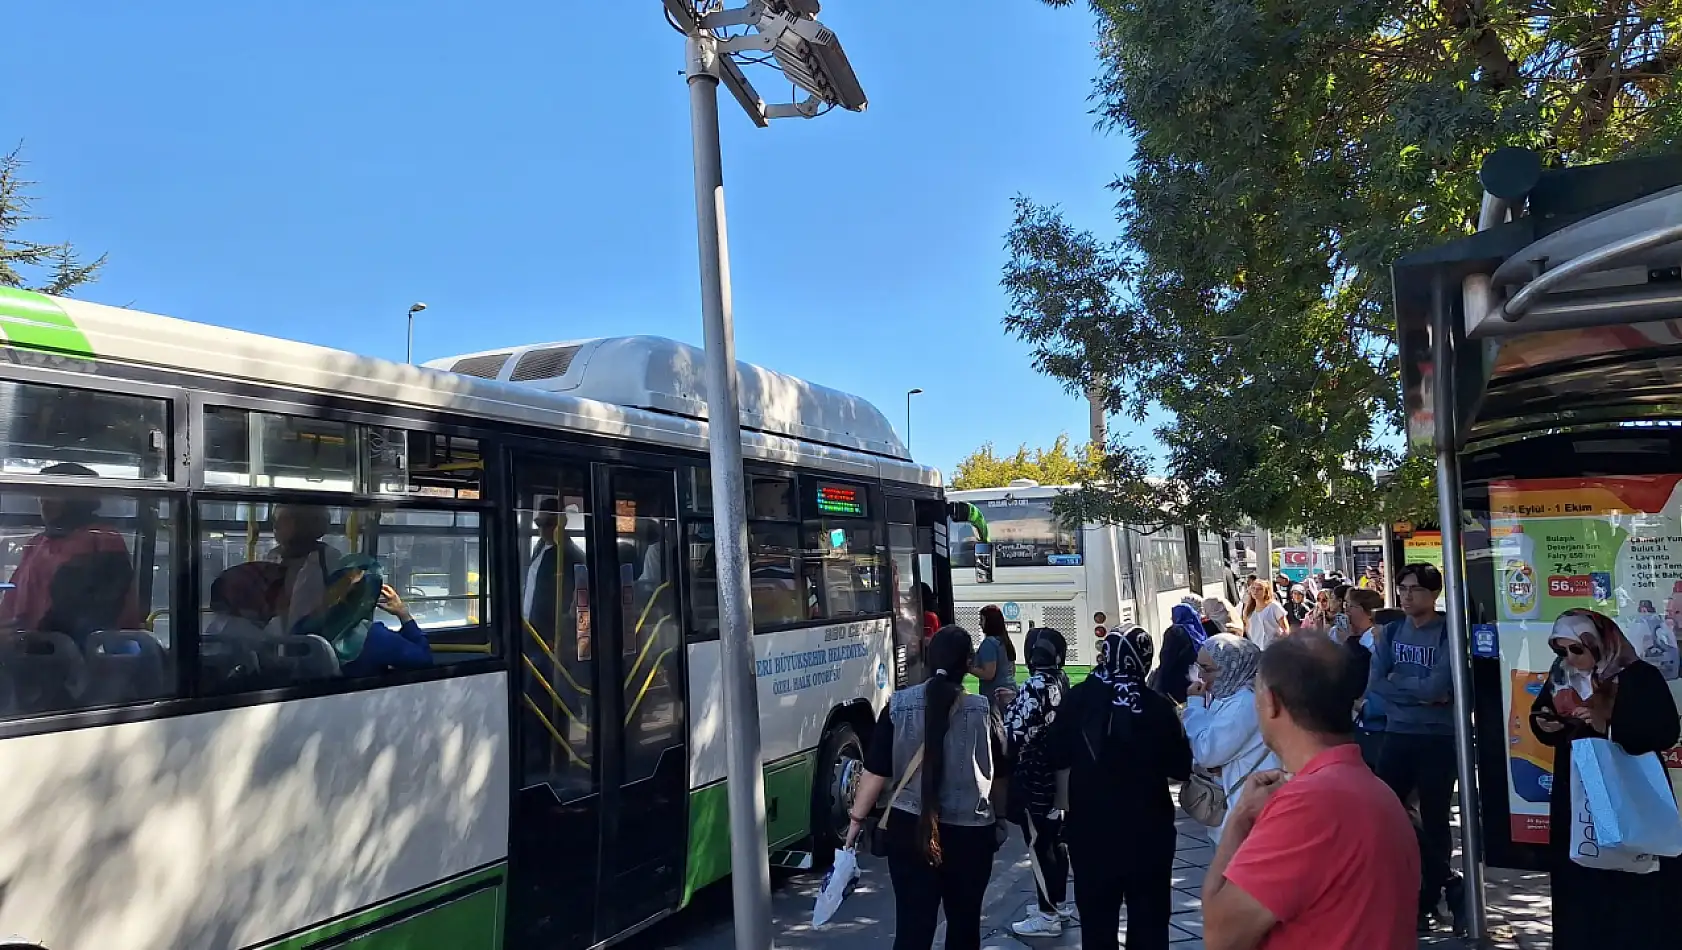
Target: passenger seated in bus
70	529
244	601
345	619
89	593
309	560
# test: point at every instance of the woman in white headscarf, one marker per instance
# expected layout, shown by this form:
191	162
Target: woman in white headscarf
1220	717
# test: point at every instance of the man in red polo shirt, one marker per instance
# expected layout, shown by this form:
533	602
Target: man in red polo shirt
1319	855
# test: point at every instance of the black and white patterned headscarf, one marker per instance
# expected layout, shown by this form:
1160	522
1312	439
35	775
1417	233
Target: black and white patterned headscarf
1126	660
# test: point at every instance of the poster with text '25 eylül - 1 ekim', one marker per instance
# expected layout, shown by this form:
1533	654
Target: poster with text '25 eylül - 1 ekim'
1609	544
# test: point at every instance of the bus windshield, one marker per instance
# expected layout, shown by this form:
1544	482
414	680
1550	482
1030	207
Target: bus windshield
1024	532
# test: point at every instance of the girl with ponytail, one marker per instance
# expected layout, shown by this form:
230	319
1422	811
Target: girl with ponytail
936	750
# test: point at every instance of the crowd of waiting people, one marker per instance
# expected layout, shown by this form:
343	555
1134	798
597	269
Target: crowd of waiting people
303	611
1316	744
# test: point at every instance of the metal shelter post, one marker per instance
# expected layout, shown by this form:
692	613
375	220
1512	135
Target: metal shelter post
1388	564
1443	353
750	869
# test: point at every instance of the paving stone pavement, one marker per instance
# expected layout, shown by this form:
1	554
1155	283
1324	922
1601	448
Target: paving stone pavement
1518	907
1519	911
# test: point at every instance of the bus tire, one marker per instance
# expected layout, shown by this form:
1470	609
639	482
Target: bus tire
835	779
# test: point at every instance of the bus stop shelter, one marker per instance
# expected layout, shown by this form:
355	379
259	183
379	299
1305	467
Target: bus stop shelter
1541	361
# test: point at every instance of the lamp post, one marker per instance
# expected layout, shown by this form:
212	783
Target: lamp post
409	351
787	33
908	394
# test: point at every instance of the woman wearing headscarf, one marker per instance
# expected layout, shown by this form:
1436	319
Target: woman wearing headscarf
1180	644
1296	608
1121	744
1328	615
244	599
1033	784
1220	717
1599	688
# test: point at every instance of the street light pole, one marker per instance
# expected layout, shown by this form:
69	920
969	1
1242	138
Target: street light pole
786	33
908	395
749	844
409	350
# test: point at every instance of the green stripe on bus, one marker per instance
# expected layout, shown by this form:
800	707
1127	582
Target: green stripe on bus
788	809
472	919
33	321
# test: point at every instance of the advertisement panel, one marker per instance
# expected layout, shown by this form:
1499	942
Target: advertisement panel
1609	544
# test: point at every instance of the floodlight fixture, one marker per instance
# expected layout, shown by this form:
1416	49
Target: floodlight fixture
812	58
807	52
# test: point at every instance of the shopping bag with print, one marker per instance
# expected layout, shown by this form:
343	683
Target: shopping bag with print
837	884
1629	798
1586	848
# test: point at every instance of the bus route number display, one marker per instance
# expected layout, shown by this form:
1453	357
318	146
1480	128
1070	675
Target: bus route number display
844	500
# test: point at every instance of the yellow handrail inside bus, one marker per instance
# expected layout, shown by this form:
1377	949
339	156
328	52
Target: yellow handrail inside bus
645	684
631	674
643	653
551	655
560	703
554	733
461	648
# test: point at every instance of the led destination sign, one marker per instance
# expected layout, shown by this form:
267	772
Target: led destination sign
841	500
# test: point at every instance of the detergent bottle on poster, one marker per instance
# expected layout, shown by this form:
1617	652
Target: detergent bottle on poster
1521	595
1531	763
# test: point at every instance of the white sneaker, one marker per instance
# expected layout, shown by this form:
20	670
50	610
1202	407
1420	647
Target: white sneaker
1066	911
1037	924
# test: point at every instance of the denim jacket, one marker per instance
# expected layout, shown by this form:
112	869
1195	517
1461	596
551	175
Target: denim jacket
972	742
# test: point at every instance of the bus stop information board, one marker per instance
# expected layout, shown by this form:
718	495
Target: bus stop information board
1610	544
1424	547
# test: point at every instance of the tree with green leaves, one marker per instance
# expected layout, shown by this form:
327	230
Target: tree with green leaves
1061	464
1285	155
48	268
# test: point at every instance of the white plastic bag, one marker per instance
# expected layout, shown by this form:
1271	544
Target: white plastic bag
837	884
1629	798
1586	847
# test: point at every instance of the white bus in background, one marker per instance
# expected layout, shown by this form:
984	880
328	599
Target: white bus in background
1047	575
186	766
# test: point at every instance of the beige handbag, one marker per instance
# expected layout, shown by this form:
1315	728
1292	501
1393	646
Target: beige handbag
1204	800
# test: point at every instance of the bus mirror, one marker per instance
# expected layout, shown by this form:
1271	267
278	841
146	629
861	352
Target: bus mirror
983	563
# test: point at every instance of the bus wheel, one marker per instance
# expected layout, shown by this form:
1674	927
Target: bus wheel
840	765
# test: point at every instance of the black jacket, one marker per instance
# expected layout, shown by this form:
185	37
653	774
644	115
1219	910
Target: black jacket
1119	763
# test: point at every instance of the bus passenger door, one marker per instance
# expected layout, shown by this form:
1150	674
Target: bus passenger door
646	794
556	833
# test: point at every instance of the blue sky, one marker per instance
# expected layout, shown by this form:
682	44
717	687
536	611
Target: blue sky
309	170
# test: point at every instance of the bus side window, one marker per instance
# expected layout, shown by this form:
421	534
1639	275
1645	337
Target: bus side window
87	578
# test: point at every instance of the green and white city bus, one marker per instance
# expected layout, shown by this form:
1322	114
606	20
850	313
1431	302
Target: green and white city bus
204	745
